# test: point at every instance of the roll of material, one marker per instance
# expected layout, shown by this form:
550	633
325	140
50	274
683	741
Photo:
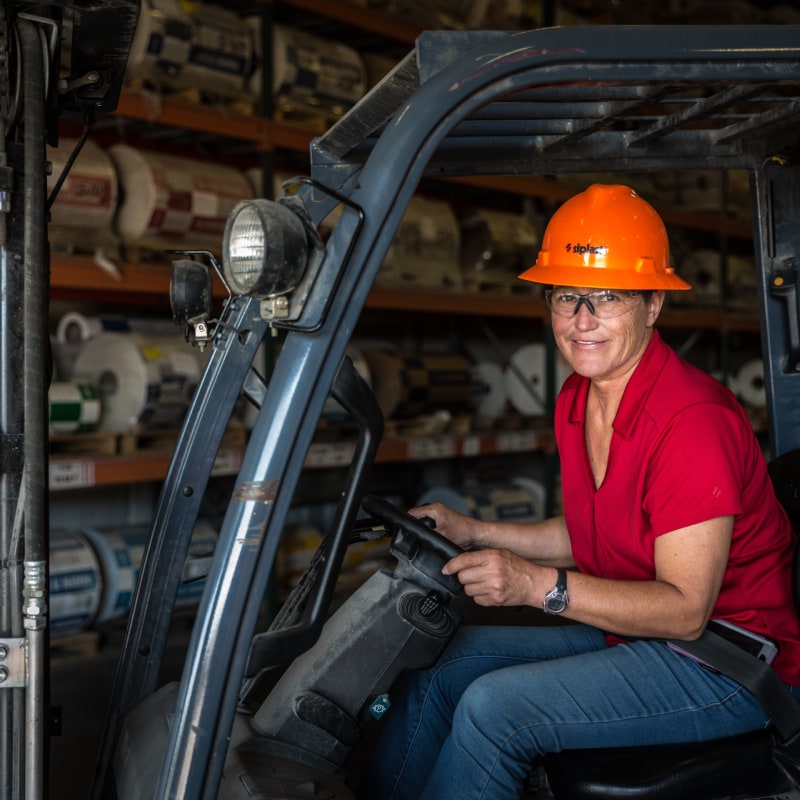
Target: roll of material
409	384
82	214
750	384
497	244
526	379
75	583
169	201
313	74
521	501
426	248
76	327
179	46
120	555
143	382
73	407
489	389
702	269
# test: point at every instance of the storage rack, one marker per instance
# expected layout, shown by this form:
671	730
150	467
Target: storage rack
142	283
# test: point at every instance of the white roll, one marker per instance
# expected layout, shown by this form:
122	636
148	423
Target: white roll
426	247
181	45
75	582
526	378
143	382
120	554
750	384
489	389
313	74
76	327
521	501
73	407
82	214
169	201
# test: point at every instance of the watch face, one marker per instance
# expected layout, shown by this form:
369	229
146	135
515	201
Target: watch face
555	603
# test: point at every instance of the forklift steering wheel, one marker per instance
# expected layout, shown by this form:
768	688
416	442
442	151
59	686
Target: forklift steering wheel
412	537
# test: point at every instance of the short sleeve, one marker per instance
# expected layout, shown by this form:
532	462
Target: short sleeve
696	472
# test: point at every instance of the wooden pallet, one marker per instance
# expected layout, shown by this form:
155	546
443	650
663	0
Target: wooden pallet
164	440
145	440
79	444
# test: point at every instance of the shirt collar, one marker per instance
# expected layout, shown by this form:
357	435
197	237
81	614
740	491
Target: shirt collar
636	392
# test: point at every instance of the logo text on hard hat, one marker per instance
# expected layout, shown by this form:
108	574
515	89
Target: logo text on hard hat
586	249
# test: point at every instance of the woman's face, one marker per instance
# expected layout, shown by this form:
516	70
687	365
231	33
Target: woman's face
608	348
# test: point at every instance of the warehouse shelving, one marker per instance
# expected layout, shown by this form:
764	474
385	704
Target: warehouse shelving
71	275
85	471
74	277
270	136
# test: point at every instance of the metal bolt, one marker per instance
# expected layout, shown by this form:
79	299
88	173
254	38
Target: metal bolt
3	674
3	652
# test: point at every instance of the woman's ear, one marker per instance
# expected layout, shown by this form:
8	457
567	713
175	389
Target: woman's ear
654	305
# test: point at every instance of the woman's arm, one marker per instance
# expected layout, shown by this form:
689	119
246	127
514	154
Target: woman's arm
545	542
690	565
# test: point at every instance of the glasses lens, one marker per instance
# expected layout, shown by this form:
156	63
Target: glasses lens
603	304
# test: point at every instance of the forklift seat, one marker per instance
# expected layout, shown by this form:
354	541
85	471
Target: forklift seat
754	765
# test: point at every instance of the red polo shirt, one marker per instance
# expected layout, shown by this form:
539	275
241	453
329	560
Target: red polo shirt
683	451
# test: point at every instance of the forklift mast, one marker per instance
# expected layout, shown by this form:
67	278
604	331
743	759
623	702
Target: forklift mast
36	88
544	102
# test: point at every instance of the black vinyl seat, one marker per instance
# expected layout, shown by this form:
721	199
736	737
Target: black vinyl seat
755	765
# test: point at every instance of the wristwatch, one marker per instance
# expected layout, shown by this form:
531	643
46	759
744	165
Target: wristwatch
557	599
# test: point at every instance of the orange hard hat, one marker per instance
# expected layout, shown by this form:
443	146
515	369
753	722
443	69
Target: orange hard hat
605	237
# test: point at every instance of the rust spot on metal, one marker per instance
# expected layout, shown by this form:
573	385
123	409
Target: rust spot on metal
257	491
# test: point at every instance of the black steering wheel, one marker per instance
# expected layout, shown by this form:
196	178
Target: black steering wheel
416	546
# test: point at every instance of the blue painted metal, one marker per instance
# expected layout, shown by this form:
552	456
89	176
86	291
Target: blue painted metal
777	245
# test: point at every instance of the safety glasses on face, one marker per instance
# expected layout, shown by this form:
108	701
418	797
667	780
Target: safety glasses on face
603	303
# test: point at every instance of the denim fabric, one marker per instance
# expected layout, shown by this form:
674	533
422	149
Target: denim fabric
470	726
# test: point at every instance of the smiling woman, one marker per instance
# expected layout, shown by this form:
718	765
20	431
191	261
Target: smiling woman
669	520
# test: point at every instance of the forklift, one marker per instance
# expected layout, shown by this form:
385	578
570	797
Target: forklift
619	99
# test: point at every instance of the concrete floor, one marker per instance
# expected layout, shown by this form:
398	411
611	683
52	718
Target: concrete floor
82	677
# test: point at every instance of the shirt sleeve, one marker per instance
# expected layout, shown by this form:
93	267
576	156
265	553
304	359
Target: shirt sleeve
697	470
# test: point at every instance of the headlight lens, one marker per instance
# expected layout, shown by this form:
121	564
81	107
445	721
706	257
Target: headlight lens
265	250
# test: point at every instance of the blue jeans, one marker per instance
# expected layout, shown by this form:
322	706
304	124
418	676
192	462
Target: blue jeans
470	726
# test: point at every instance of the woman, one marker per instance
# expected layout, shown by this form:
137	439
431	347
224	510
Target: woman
669	520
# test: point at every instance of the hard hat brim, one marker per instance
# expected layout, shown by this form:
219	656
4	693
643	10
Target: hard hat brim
603	278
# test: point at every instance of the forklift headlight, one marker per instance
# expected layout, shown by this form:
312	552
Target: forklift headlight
264	249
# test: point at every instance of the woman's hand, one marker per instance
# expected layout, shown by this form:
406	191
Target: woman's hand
500	578
458	528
